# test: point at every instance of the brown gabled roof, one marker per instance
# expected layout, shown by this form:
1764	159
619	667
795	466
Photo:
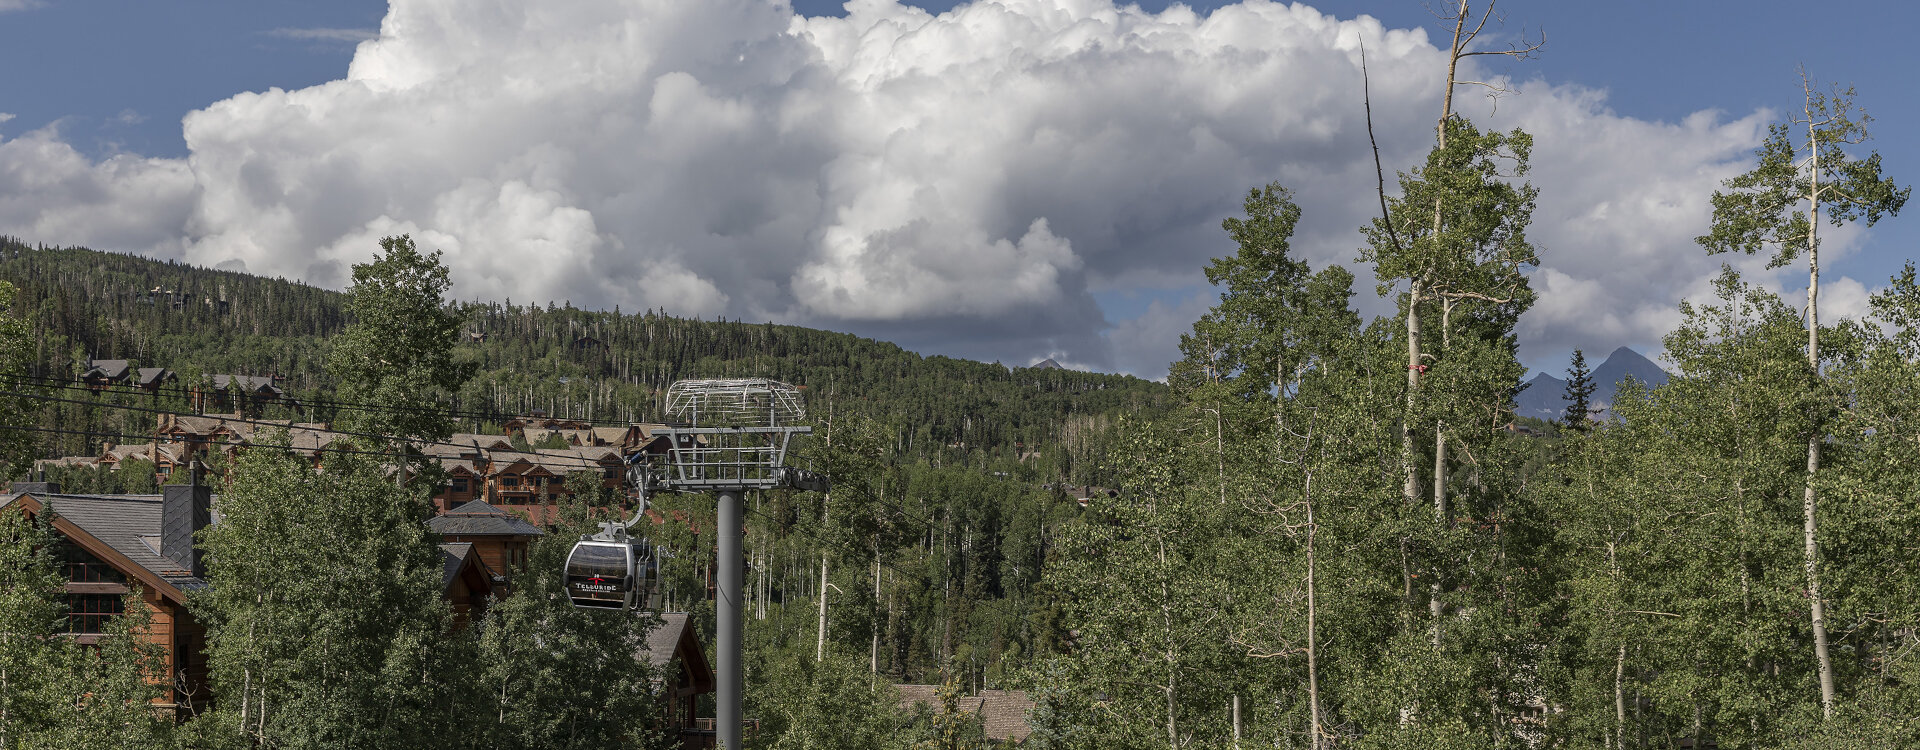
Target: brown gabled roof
557	462
610	435
485	442
194	425
537	435
1003	713
142	451
65	462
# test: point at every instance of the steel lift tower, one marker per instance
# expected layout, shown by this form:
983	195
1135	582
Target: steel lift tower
727	437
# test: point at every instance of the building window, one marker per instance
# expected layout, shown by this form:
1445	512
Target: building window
509	481
87	614
82	567
459	484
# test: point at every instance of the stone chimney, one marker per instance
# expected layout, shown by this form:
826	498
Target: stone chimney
184	510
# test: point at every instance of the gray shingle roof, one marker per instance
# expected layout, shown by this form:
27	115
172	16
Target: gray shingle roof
250	383
453	557
480	518
662	640
1003	713
153	375
111	369
127	523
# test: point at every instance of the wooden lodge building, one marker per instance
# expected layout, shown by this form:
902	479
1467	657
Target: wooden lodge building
499	539
109	544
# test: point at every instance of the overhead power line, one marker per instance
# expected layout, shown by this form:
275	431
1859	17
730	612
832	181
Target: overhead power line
67	384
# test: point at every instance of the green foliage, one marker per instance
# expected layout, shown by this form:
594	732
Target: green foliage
107	690
827	704
54	691
326	626
30	614
1458	225
16	404
946	726
554	676
399	350
1762	208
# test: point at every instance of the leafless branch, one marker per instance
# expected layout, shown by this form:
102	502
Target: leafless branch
1379	172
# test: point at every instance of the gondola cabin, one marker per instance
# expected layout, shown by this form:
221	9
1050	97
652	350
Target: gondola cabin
611	573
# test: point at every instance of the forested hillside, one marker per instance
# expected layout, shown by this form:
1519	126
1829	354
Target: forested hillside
609	367
964	482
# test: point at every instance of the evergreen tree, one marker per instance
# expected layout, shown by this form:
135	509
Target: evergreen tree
17	405
1579	391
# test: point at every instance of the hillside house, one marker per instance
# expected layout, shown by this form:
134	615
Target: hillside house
194	435
540	421
240	392
111	544
102	373
532	477
152	379
165	458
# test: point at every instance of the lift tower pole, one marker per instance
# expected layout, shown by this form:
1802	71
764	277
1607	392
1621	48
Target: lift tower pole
727	641
728	437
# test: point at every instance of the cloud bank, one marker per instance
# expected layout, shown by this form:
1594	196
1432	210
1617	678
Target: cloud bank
964	183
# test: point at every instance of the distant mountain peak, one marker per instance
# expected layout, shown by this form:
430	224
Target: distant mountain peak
1047	364
1545	397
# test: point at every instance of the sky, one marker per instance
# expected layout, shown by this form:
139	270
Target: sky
1003	180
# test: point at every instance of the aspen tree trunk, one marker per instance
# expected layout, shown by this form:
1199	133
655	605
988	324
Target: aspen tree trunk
1620	696
1808	505
820	645
1172	656
1410	487
873	665
1313	649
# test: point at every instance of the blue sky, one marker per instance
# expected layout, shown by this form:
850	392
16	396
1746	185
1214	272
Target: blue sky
113	80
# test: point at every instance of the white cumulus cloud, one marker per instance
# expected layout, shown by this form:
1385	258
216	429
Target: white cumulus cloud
963	182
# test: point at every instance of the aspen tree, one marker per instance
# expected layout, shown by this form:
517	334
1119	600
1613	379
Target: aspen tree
1806	170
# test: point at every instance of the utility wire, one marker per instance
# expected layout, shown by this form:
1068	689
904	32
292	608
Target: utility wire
67	384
